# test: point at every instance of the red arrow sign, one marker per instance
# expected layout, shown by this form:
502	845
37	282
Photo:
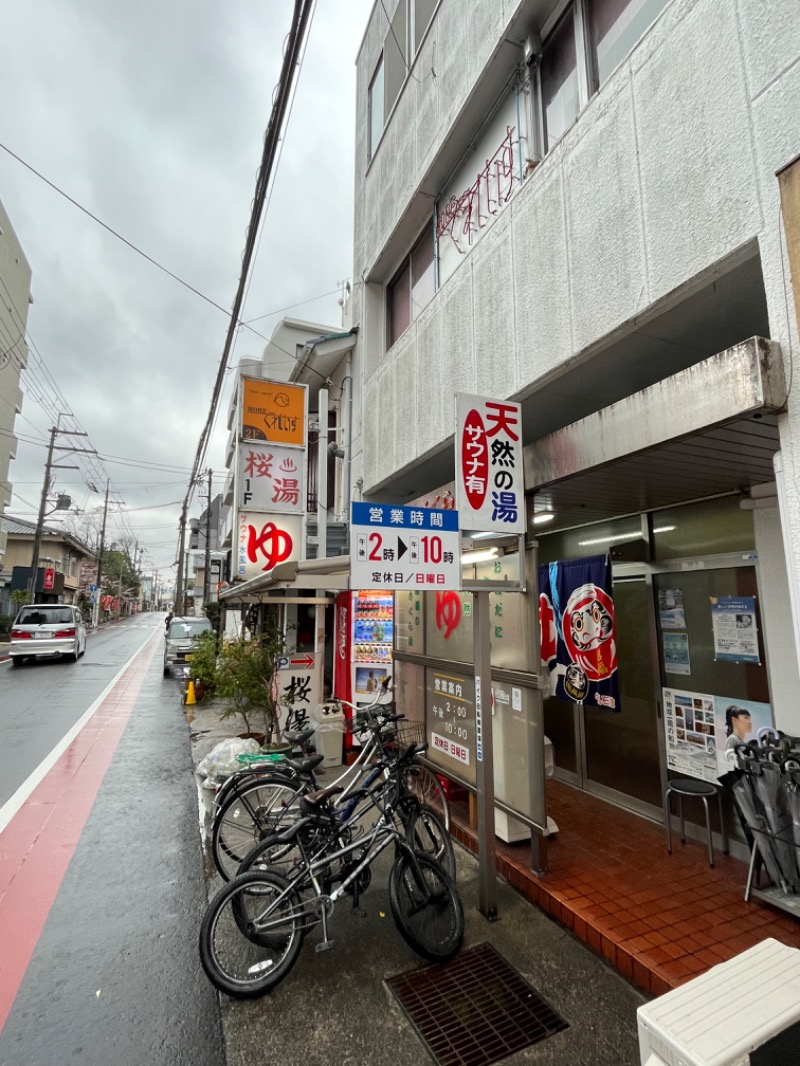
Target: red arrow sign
306	661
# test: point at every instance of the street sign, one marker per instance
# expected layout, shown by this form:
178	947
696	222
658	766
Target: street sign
490	492
93	588
393	547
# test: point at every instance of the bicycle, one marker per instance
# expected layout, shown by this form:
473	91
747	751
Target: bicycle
422	825
254	927
252	803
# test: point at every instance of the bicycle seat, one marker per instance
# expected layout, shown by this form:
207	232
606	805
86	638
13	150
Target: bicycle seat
304	766
314	799
297	736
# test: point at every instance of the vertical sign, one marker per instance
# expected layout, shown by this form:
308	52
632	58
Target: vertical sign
49	579
273	411
489	480
478	720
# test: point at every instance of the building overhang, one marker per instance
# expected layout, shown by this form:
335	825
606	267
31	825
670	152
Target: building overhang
708	430
319	359
310	575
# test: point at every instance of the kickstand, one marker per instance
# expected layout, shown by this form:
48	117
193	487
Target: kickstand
325	944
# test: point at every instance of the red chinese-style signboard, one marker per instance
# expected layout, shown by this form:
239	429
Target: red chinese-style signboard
49	580
266	540
490	495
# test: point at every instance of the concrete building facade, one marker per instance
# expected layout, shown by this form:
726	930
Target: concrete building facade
15	296
576	204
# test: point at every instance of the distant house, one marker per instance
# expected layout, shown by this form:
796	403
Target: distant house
71	561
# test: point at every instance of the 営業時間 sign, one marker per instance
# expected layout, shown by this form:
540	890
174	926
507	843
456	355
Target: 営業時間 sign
393	547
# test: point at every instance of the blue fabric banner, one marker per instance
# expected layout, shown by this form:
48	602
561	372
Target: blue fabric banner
578	636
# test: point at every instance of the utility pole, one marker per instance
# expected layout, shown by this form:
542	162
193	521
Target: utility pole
49	467
181	543
99	579
207	560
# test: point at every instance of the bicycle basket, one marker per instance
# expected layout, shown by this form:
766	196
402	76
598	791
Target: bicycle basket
407	733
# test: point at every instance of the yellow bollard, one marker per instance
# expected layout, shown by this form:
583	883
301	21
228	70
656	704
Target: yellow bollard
190	694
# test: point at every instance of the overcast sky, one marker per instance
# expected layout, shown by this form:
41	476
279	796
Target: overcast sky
151	115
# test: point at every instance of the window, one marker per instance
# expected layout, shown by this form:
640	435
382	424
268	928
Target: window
376	108
559	81
422	13
407	27
411	289
614	27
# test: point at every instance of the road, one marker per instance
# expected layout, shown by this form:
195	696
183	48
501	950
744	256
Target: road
101	879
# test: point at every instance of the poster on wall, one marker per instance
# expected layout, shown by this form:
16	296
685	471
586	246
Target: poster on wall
702	730
735	632
670	609
676	653
737	722
689	725
577	630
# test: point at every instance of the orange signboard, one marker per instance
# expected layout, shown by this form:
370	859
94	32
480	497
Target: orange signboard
274	411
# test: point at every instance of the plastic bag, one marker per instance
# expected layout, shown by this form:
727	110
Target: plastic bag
222	758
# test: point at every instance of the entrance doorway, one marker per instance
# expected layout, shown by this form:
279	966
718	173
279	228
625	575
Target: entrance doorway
621	756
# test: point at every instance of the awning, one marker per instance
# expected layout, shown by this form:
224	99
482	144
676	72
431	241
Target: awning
329	575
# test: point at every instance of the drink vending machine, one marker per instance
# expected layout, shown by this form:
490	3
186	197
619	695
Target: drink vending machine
364	640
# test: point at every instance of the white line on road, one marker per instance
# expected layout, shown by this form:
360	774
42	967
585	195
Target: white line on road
11	806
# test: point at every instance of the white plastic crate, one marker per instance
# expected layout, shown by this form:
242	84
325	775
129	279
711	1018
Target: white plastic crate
721	1017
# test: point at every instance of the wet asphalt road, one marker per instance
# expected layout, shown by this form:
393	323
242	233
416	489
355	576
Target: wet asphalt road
114	978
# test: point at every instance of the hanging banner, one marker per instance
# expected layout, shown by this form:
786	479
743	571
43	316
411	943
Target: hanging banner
578	639
490	492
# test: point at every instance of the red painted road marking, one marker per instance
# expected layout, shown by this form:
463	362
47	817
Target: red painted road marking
38	843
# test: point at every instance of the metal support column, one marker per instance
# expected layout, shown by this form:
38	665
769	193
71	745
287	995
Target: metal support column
484	756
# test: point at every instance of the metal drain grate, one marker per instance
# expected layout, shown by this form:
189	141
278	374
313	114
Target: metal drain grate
475	1010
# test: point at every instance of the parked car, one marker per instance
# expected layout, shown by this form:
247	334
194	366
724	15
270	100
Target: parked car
47	630
178	640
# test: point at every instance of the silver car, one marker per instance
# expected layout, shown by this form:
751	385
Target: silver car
47	631
179	640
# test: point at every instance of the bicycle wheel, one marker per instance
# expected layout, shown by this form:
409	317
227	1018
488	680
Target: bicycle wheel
429	914
426	833
249	815
427	787
250	936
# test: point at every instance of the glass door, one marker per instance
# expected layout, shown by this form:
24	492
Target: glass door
624	751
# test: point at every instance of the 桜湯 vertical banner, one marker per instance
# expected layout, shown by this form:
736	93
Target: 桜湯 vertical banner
490	494
578	632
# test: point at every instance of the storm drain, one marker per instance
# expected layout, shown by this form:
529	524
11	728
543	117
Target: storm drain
475	1010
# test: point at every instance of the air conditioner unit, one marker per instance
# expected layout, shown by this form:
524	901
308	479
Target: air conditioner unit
744	1012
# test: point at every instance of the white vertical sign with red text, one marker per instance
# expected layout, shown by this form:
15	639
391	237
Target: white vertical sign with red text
490	494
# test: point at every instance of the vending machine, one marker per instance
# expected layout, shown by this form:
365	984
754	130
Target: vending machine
364	642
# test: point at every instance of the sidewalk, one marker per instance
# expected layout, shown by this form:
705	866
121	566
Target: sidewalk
336	1006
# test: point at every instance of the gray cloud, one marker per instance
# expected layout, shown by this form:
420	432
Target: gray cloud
152	115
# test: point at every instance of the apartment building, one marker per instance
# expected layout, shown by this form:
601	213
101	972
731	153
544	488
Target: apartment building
577	205
15	296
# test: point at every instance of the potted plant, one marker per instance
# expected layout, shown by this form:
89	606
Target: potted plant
203	665
247	681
